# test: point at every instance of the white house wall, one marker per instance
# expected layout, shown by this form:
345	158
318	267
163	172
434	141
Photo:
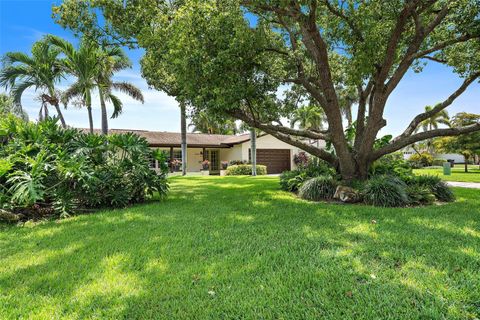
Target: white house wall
270	142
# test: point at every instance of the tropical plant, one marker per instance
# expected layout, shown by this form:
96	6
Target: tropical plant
432	123
419	195
392	164
308	117
385	191
204	123
318	188
47	170
436	186
40	71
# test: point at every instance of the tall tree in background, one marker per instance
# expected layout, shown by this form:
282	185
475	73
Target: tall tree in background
432	123
202	122
467	145
183	129
84	64
40	71
308	117
222	63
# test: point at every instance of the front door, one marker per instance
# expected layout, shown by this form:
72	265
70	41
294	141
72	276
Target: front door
214	157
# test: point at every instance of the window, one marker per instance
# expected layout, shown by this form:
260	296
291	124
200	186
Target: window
177	154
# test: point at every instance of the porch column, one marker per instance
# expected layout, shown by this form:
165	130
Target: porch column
171	159
204	154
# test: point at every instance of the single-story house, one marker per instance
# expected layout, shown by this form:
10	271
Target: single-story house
271	152
457	158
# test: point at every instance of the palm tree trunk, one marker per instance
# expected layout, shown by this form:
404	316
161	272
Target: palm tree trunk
104	113
60	115
253	150
90	118
183	128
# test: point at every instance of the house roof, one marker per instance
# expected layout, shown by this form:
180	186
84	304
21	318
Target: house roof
174	139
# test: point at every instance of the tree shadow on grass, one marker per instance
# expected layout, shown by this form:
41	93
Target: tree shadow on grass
239	247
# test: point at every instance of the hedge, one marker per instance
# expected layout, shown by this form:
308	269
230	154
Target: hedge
245	170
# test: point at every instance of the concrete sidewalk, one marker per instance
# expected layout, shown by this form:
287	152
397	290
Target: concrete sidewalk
471	185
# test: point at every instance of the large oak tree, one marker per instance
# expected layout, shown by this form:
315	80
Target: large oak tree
232	57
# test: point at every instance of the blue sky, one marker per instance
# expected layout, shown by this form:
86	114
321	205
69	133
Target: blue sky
22	22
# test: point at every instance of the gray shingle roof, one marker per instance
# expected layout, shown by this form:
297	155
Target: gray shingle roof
162	138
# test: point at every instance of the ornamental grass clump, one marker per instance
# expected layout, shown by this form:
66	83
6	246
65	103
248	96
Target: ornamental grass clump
386	191
318	188
439	188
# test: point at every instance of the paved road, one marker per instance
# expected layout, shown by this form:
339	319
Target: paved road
472	185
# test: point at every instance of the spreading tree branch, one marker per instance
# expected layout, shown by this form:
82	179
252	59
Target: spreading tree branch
439	107
402	143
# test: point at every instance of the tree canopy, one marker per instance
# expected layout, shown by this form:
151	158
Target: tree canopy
233	57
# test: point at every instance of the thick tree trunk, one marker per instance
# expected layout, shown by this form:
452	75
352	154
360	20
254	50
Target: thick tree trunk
104	113
183	128
466	163
253	151
90	118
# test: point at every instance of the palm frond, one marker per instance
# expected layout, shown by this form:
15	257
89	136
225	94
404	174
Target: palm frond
9	75
74	91
129	89
17	57
18	89
117	105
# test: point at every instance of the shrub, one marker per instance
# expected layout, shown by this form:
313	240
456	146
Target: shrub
245	170
49	170
318	188
391	164
439	188
385	191
292	180
237	162
419	195
301	159
420	160
438	162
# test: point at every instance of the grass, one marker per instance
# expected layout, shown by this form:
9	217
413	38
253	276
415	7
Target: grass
237	247
458	173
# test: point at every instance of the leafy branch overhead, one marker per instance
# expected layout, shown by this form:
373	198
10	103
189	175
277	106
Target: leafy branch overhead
232	57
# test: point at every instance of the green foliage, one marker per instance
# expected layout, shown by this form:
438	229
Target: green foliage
436	186
46	169
391	164
318	188
245	170
385	191
292	180
419	195
420	160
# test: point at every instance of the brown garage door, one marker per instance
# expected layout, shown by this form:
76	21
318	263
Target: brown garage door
276	160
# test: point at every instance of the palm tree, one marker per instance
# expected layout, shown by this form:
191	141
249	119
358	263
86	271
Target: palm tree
84	64
183	129
41	71
203	123
346	100
114	59
432	123
308	117
94	67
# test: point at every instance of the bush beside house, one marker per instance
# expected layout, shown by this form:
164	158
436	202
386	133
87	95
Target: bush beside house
49	171
245	170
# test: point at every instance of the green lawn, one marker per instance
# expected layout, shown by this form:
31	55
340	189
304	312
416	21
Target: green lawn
458	173
237	247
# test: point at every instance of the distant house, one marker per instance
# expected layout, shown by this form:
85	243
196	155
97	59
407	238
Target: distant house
458	158
271	152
